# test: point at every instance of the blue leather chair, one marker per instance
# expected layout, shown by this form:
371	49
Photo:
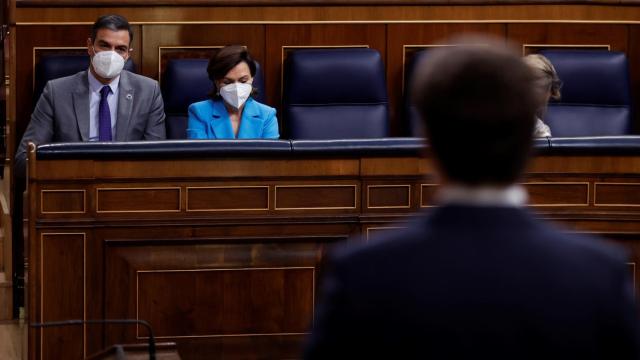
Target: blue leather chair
596	99
186	81
335	93
56	66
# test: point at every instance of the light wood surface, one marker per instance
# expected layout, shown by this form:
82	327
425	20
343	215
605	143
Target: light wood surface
12	340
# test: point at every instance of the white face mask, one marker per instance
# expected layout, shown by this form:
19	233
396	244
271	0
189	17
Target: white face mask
236	94
107	64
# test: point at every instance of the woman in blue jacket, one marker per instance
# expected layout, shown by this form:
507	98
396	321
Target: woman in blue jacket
232	113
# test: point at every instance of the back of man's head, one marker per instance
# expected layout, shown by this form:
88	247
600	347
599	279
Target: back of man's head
478	105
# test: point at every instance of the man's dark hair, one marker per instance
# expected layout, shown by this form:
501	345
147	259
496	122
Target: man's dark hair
478	107
226	59
111	22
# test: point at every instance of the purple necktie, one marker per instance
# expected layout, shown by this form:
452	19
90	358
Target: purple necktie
104	116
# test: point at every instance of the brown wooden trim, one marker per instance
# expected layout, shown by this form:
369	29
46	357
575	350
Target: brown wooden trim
138	3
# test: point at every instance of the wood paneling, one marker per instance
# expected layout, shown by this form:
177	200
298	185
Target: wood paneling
230	198
570	34
145	200
427	194
236	302
164	39
53	3
212	295
558	193
617	194
63	201
62	283
202	278
389	196
316	197
435	13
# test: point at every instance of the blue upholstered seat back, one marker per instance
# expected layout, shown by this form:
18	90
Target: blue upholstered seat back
56	66
595	99
335	93
186	81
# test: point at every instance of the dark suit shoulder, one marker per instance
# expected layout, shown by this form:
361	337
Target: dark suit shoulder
587	246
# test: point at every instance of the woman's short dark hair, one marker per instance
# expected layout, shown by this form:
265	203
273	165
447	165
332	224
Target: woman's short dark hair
112	22
226	59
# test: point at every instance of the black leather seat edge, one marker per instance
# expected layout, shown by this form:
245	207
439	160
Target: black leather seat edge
358	147
596	145
606	145
164	149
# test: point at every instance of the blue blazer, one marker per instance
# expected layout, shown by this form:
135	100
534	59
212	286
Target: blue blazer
209	119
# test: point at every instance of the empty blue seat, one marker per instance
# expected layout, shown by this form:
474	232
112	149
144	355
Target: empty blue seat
55	66
335	93
186	81
596	99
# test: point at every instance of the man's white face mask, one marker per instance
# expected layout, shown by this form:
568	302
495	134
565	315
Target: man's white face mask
107	64
236	94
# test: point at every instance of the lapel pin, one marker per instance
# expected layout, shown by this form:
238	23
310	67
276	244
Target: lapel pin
129	96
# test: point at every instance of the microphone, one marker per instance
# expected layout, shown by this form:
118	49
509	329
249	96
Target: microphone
152	341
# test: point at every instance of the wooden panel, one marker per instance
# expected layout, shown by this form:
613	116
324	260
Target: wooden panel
25	3
137	200
380	230
197	169
230	198
280	37
388	196
403	40
618	194
163	41
318	197
62	288
494	13
427	194
235	302
558	194
162	247
62	201
223	280
615	36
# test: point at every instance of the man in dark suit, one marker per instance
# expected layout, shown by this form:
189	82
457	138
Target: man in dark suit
478	277
102	103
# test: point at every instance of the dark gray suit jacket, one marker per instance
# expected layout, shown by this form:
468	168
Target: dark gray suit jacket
62	112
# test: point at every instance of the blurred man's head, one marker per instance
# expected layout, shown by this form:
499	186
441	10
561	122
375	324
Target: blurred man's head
478	106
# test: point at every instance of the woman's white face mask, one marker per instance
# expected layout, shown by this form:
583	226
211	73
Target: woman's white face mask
107	64
236	94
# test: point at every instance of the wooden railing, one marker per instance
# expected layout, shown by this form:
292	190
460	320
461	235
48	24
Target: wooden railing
222	253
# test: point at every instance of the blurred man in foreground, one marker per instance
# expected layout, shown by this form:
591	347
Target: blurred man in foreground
478	277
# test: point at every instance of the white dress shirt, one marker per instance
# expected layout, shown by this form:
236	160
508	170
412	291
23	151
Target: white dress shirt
512	196
94	105
541	129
